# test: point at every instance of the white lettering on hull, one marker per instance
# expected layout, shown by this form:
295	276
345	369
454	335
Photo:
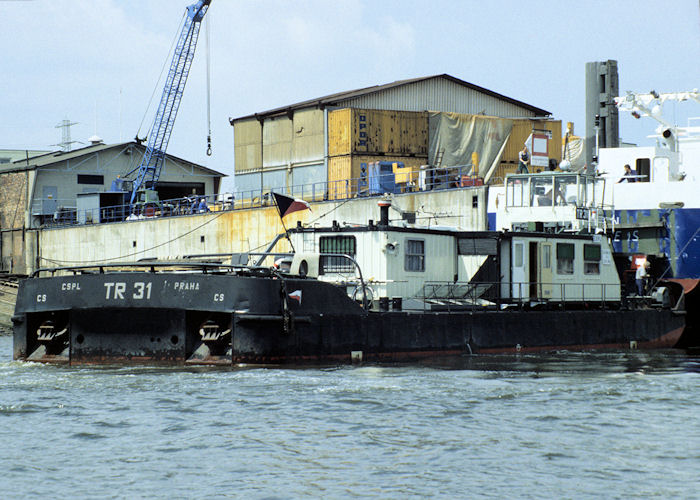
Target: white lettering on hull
186	286
116	290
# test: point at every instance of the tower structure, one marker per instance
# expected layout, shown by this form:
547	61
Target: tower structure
602	87
66	141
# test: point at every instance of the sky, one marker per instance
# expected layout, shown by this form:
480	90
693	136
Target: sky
98	62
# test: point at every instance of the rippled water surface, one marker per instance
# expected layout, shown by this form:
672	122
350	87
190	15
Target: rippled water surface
569	425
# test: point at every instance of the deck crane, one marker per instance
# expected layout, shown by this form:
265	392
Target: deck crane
152	162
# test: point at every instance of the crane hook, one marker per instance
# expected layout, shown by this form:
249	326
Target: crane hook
208	145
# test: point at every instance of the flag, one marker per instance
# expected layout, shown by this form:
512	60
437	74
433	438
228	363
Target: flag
296	295
287	205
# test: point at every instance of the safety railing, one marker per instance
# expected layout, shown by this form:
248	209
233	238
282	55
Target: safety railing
48	212
504	294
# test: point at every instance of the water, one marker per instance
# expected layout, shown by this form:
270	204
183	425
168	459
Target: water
623	425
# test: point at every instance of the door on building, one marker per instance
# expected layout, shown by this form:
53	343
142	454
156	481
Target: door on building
49	203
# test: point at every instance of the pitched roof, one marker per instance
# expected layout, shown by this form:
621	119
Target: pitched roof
333	99
58	156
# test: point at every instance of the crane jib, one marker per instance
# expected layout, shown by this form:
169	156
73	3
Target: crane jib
152	162
196	11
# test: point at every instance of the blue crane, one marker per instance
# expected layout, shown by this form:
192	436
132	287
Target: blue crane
152	162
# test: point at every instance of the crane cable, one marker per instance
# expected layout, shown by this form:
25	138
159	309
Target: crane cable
160	78
208	43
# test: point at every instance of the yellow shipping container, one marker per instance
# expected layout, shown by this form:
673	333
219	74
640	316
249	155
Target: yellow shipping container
373	131
344	172
522	130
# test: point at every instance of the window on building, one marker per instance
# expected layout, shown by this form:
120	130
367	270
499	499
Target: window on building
91	179
415	255
337	244
591	259
475	202
565	258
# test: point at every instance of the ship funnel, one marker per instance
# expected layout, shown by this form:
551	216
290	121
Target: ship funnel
669	139
384	212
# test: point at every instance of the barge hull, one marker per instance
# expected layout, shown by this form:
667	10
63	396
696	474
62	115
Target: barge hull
163	318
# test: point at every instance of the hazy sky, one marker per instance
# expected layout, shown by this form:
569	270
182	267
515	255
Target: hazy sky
94	61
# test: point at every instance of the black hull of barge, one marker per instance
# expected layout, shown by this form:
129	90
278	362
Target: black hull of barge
176	319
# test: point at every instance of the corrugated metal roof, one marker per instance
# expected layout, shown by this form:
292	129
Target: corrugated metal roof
60	156
334	99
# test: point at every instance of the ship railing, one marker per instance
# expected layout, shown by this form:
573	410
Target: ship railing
59	212
486	295
151	266
362	292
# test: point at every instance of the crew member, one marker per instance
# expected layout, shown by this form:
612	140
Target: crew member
523	160
640	277
628	176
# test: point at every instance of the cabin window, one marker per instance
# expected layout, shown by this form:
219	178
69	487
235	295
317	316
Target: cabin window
565	258
91	179
591	259
415	255
518	258
337	244
309	242
642	167
546	256
477	246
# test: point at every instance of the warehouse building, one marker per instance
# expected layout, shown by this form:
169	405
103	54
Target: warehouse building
437	120
36	191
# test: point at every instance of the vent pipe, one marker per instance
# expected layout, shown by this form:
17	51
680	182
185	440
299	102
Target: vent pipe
384	212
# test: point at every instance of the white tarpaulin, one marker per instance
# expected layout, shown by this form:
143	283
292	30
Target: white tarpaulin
574	153
458	136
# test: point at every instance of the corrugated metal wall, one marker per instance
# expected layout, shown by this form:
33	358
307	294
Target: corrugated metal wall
247	145
279	141
370	131
298	141
307	136
438	94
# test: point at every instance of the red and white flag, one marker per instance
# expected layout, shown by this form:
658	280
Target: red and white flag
287	205
296	295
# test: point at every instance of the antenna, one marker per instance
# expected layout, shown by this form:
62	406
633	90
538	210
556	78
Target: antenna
66	142
120	115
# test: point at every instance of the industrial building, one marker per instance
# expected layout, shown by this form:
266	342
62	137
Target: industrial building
437	120
10	155
37	190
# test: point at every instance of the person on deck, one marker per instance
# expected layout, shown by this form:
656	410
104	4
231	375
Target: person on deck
203	207
523	160
628	176
640	277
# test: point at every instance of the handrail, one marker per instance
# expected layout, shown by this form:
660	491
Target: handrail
151	265
59	212
517	293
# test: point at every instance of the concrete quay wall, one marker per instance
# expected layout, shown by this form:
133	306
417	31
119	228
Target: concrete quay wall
243	230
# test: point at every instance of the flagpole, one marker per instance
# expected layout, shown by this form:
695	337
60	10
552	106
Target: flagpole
286	233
